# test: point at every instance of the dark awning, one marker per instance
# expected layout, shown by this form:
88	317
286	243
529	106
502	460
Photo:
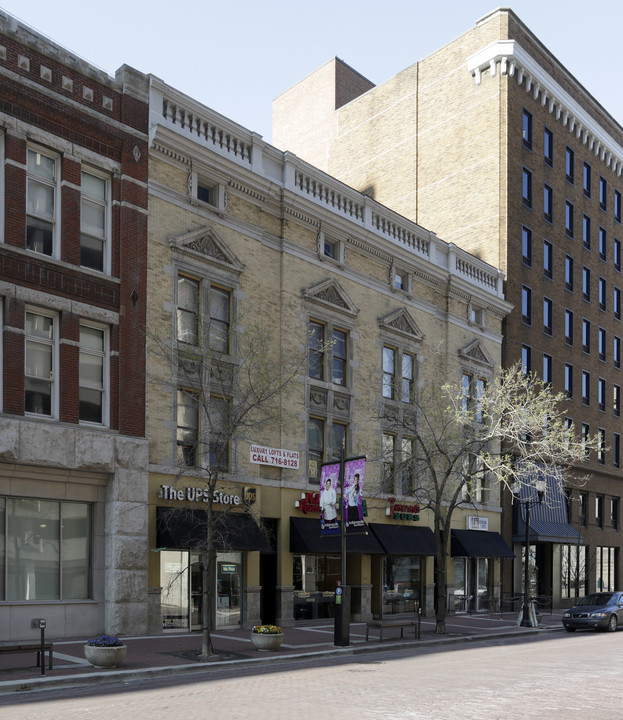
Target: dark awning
186	528
305	538
479	543
405	539
548	520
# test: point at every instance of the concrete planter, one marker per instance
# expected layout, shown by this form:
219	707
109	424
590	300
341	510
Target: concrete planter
105	657
267	641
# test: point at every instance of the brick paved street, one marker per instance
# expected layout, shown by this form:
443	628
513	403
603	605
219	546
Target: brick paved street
550	677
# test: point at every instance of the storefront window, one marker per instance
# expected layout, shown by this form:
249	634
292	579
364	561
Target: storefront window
315	578
573	571
606	568
472	585
402	580
40	549
181	577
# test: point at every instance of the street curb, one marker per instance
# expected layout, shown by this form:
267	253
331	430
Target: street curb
127	676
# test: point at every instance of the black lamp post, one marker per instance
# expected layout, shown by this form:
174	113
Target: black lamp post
539	486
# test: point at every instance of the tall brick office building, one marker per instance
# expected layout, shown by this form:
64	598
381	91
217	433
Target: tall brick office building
73	456
493	144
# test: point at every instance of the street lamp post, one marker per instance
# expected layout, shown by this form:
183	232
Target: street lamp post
528	619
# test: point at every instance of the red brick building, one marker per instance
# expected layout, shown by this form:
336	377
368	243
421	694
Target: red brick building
73	454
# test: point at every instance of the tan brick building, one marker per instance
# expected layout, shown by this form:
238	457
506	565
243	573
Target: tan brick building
240	232
492	143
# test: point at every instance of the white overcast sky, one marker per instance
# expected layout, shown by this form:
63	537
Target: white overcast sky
237	55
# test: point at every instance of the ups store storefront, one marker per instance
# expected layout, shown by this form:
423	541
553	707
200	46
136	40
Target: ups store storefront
245	559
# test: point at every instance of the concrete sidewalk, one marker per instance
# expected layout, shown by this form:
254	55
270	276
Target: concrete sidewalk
174	654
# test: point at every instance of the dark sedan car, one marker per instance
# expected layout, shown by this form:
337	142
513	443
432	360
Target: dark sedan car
603	610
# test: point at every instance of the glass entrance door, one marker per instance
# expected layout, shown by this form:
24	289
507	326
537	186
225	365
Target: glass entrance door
181	578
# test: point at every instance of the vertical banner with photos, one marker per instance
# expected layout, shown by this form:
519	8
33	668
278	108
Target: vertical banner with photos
329	488
352	500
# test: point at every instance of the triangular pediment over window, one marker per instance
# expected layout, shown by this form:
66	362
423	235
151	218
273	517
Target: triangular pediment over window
400	321
331	294
474	352
205	245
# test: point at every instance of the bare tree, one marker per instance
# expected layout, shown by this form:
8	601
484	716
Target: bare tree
466	438
229	386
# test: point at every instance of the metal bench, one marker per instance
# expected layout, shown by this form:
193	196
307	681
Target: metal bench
7	648
402	623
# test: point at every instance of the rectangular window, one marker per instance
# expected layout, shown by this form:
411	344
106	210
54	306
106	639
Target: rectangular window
547	369
94	221
617	206
568	380
603	193
569	327
93	374
601	394
187	310
548	146
407	466
586	283
586	231
408	372
548	259
389	372
481	386
569	273
569	165
218	421
339	357
616	251
191	299
616	351
526	305
548	203
526	359
526	188
41	201
315	448
616	450
526	128
187	439
616	400
585	431
41	360
526	246
339	440
316	351
602	293
616	301
586	180
466	392
586	335
569	218
602	343
219	302
603	243
583	508
48	549
389	463
614	513
599	510
547	316
586	387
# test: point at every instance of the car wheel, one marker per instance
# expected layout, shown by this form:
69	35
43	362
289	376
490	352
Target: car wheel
612	623
570	629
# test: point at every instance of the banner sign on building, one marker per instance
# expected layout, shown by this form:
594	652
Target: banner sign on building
329	486
352	503
352	500
277	457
